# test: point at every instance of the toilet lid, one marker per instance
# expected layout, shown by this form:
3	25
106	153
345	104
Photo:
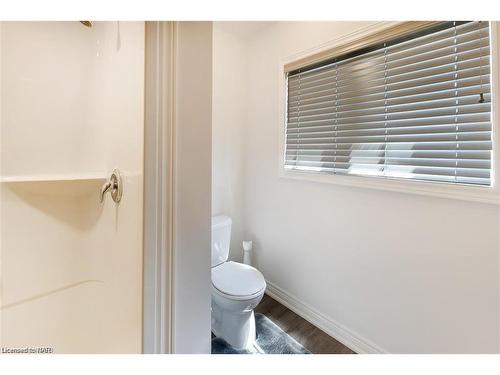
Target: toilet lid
237	279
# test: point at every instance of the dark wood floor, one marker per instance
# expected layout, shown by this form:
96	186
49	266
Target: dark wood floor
311	338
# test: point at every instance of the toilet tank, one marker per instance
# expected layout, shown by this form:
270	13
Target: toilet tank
221	239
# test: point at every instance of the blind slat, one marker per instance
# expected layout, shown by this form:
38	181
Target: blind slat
437	58
326	106
353	98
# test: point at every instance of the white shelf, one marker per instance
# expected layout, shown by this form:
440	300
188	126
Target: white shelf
55	185
53	178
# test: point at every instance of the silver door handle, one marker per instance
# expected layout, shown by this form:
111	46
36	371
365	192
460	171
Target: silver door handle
113	185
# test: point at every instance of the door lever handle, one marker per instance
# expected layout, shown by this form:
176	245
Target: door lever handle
104	189
114	186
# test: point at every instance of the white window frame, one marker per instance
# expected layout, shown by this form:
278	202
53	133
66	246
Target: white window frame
485	194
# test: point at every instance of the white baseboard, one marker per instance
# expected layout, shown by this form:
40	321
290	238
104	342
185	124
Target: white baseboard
347	337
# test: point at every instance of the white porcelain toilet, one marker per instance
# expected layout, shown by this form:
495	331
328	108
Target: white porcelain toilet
236	290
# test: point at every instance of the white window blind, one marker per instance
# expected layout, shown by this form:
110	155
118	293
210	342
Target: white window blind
415	108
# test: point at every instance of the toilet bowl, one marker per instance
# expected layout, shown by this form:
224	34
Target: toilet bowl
236	290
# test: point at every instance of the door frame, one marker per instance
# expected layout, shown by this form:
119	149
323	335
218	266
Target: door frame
177	187
159	120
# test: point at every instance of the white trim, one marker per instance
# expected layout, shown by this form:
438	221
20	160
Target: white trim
158	128
443	190
339	332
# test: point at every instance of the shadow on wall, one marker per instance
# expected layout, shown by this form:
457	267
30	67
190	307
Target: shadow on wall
75	203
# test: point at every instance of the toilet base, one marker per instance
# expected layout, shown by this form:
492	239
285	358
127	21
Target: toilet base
237	328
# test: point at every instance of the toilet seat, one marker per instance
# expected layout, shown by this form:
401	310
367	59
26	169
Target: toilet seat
237	280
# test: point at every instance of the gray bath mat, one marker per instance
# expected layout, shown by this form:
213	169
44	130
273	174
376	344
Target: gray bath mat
271	339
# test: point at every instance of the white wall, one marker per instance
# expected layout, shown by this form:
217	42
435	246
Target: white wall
72	110
192	176
407	273
228	120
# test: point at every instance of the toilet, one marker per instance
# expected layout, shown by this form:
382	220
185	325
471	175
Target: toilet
236	290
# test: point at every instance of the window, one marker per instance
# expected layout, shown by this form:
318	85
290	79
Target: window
416	107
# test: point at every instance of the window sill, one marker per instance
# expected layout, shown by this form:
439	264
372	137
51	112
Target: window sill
482	194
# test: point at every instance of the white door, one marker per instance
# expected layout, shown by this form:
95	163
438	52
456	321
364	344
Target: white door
71	112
